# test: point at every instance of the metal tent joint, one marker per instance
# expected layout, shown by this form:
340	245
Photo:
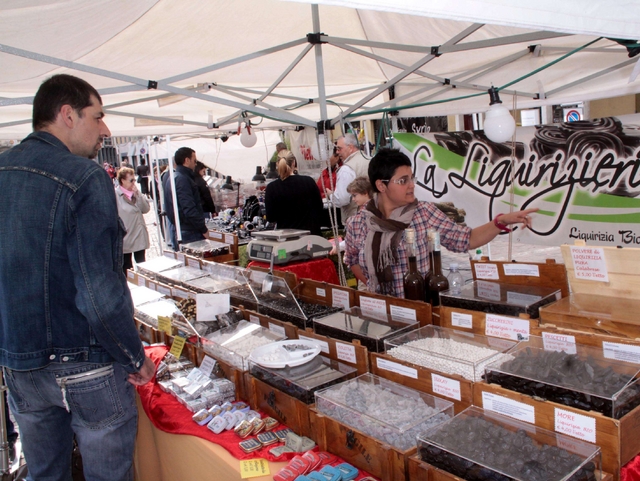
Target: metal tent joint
152	85
435	51
315	38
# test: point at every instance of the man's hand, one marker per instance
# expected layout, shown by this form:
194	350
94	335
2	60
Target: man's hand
145	375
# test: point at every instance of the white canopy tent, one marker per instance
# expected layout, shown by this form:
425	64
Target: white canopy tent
195	67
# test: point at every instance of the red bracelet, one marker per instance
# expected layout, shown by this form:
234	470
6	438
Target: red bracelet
500	225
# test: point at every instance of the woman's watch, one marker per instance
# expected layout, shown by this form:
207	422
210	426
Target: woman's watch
500	225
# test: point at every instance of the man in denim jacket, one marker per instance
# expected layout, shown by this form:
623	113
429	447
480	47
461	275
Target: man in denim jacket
68	344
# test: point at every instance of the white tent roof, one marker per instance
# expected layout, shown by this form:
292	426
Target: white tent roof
254	56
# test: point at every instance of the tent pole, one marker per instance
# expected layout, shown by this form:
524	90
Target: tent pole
176	216
152	167
322	95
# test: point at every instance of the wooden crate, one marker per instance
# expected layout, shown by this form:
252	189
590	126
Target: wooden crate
549	273
450	317
326	294
558	337
364	452
226	237
146	332
608	308
422	379
617	438
351	353
279	405
395	307
223	369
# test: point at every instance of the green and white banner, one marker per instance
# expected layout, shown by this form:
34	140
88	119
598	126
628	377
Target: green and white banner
583	176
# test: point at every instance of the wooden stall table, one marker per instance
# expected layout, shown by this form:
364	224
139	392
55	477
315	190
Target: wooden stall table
321	270
162	456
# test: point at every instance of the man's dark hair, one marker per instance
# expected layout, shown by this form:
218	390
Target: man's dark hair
182	154
57	91
384	164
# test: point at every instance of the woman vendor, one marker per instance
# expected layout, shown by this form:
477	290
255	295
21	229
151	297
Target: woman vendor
375	251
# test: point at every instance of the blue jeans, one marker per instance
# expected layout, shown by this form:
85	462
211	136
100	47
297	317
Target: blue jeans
54	403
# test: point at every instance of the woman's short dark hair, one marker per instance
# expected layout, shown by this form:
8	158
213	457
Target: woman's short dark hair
57	91
199	166
383	165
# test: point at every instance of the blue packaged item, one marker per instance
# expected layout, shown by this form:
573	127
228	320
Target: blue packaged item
348	472
331	473
302	477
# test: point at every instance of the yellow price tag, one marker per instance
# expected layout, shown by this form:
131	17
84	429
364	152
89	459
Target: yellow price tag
251	468
164	324
176	347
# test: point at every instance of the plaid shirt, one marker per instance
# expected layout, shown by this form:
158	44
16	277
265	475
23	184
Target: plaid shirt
452	236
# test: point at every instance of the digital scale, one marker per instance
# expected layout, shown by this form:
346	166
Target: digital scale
287	245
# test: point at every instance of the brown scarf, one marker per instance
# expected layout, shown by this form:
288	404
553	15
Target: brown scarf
381	244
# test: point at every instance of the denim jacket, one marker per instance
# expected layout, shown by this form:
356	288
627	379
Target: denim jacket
189	204
63	296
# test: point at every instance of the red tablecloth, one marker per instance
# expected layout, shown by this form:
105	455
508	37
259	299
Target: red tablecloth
321	270
631	470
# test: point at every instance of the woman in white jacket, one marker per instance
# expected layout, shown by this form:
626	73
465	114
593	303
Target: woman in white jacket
131	207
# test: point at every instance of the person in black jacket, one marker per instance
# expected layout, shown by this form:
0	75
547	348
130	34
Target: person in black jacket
205	194
191	215
293	201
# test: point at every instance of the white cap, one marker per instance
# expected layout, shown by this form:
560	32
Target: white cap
453	265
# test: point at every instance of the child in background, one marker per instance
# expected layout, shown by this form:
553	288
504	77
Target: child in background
361	192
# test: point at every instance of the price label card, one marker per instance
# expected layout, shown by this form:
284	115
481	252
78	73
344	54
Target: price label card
215	235
324	346
164	324
252	468
131	274
446	386
169	254
207	365
397	368
589	263
228	239
621	352
254	319
176	347
166	290
321	292
375	307
403	313
191	262
340	298
179	292
346	352
279	330
508	407
506	327
180	256
208	306
459	319
486	271
142	281
521	270
559	342
575	425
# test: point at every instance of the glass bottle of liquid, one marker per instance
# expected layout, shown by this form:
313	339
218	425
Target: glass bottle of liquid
455	279
427	277
438	282
414	287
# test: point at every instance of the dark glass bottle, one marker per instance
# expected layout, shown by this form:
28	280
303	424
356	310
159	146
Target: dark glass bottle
437	282
414	286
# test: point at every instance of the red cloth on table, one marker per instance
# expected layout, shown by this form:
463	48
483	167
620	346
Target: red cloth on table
631	470
321	270
167	414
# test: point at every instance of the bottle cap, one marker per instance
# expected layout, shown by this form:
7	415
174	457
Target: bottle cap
410	236
453	265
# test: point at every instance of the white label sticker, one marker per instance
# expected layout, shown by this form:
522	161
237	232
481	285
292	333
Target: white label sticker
397	368
403	313
181	293
215	235
340	298
346	352
324	346
180	256
508	407
131	274
589	263
369	305
207	365
576	425
279	330
486	271
446	387
621	352
191	262
521	270
142	281
169	254
228	239
152	285
163	290
459	319
208	306
559	342
254	319
321	292
506	327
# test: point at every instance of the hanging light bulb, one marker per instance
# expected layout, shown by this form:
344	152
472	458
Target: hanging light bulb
248	137
499	125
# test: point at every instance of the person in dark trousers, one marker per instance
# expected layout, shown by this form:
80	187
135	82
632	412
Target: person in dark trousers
205	194
143	177
69	347
293	201
190	213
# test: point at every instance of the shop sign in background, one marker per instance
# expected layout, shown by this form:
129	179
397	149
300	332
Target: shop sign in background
583	176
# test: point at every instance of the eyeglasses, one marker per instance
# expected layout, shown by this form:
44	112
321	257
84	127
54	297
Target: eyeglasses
404	180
